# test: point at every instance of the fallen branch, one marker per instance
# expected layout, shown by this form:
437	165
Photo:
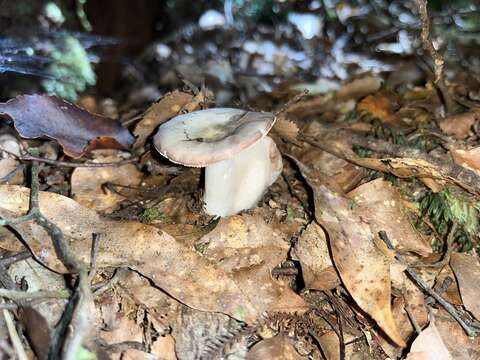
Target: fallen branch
406	162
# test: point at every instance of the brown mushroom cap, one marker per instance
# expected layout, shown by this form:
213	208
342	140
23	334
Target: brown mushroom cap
207	136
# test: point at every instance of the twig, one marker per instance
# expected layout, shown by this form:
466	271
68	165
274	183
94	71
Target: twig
70	164
77	313
93	256
407	160
17	295
425	287
438	61
15	339
7	261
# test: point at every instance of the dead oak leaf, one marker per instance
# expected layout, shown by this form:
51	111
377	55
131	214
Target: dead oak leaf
75	129
87	182
363	267
467	272
177	269
381	206
247	248
159	112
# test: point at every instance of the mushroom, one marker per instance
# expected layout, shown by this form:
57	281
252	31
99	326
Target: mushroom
240	161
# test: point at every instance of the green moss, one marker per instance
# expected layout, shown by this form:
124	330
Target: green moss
452	206
71	70
152	215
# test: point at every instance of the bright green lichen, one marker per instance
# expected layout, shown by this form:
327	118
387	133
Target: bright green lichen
71	70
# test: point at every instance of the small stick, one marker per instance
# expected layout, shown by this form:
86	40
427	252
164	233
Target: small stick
425	287
17	295
438	61
12	331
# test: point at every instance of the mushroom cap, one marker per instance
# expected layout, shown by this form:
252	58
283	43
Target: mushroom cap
207	136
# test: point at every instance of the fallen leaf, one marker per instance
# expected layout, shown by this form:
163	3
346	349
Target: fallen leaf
277	348
177	269
360	87
330	345
429	346
467	272
76	130
381	206
338	174
312	251
467	158
459	125
11	171
459	345
363	266
164	348
379	106
87	182
247	248
167	107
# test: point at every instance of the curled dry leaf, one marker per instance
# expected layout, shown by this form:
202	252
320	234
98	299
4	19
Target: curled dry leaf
467	272
381	206
177	269
76	130
168	106
311	250
359	257
87	184
246	247
459	125
429	346
378	106
467	158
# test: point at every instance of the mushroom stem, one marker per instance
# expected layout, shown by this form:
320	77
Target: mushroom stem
238	183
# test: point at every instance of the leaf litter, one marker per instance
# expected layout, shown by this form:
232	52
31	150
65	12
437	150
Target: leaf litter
380	181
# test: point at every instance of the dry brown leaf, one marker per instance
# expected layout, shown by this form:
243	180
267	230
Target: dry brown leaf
378	106
460	346
10	172
179	270
459	125
467	158
330	345
429	346
277	348
159	112
381	206
363	267
247	248
311	250
339	175
467	272
360	87
164	348
76	130
87	183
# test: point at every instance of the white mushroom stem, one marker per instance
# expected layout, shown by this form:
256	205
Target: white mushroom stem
238	183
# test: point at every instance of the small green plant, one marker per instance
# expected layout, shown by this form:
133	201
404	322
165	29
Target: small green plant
152	215
451	206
